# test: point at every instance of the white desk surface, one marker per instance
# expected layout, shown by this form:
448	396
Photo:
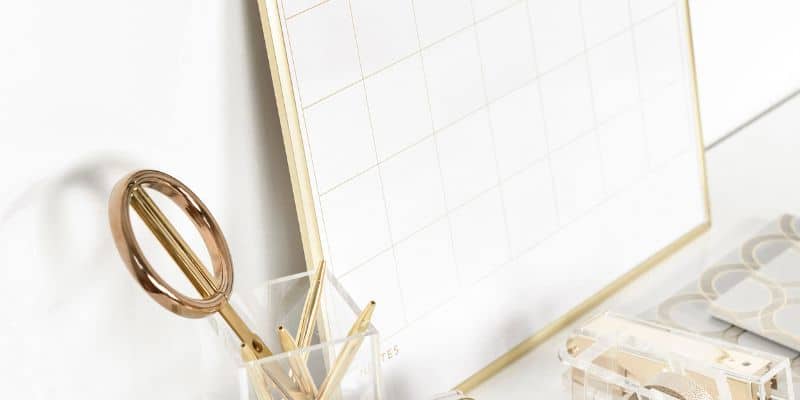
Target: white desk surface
751	178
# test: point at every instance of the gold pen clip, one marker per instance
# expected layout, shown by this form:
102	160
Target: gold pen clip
305	329
297	362
347	354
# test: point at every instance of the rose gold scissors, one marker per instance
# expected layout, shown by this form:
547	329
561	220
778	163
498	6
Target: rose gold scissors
214	289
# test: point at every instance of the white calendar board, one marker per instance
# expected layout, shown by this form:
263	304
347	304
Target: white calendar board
483	169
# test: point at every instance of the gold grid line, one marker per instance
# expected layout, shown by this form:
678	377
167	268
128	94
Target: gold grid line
436	145
380	175
546	132
592	99
491	125
639	91
305	10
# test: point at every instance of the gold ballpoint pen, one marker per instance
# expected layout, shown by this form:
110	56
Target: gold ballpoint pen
256	376
275	376
349	350
305	329
296	362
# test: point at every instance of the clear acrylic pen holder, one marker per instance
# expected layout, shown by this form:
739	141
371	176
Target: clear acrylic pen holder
329	374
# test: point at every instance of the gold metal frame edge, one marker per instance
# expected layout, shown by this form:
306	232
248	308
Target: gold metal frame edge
290	128
304	203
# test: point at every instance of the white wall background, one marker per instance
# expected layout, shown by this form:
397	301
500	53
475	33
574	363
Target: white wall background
90	89
748	58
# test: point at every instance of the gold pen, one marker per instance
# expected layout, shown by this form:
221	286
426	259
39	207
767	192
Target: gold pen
276	376
305	330
349	350
301	373
256	376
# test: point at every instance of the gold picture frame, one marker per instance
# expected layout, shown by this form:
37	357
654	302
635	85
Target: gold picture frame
304	203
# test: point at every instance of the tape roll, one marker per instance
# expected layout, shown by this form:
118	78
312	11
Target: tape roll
678	386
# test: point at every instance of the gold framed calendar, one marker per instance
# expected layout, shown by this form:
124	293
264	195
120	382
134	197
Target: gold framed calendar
487	170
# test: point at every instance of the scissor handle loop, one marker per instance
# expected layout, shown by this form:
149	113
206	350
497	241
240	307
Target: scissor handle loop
130	251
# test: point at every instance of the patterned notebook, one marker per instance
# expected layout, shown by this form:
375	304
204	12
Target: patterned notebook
753	289
767	301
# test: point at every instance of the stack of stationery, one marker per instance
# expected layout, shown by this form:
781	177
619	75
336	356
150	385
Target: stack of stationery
747	296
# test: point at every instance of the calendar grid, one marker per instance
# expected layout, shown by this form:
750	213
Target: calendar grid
405	57
455	207
511	259
533	81
458	206
483	106
562	140
487	102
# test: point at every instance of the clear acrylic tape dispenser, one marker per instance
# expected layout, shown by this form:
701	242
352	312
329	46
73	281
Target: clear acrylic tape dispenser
613	357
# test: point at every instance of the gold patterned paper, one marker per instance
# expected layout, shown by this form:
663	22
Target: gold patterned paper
751	290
